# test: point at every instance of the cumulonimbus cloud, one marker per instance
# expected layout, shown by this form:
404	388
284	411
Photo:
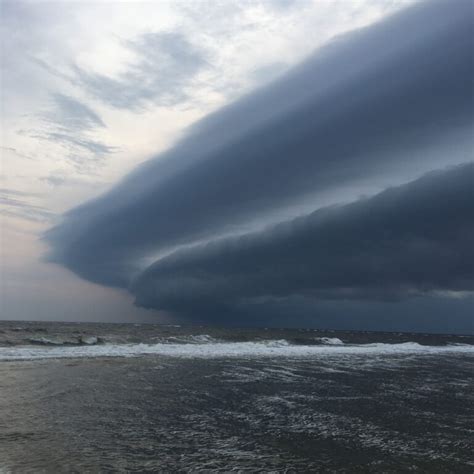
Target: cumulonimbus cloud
376	104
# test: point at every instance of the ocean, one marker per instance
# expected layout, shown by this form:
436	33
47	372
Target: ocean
152	398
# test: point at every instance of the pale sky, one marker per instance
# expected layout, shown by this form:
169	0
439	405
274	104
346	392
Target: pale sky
90	89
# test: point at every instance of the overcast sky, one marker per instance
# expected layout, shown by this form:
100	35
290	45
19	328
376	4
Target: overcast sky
266	134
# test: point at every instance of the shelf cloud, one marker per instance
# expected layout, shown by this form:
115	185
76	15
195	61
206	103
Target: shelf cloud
385	104
410	240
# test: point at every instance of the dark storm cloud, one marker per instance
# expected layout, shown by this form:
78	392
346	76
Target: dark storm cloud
436	313
166	64
367	106
410	240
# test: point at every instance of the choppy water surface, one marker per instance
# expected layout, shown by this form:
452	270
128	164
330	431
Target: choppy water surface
89	398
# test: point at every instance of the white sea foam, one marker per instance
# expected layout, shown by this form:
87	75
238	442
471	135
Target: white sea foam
332	341
275	348
46	341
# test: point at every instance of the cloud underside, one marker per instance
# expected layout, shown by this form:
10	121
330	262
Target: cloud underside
406	241
374	105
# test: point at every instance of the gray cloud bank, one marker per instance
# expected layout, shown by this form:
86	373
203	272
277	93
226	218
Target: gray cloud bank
410	240
384	104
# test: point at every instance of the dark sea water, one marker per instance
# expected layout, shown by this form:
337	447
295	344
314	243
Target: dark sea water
150	398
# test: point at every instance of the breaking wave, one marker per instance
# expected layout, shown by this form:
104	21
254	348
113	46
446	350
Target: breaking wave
212	349
80	340
332	341
193	339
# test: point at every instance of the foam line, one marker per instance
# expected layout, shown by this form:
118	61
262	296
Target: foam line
224	350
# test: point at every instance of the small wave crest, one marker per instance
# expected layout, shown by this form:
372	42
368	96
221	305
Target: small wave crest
330	341
49	341
192	339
